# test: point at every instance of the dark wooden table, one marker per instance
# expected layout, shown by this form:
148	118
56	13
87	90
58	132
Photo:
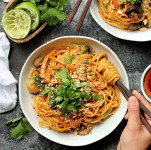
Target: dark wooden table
135	56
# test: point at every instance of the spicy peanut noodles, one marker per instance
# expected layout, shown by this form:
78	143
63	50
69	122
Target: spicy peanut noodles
75	89
128	15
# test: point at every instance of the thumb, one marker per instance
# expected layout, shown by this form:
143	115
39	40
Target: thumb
134	122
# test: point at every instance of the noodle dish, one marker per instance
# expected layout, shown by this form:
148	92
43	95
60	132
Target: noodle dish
124	19
68	89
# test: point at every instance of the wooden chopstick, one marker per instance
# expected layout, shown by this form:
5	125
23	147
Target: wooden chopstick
74	10
85	10
126	93
145	123
129	93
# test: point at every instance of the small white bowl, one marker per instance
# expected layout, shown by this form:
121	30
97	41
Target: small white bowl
142	83
26	99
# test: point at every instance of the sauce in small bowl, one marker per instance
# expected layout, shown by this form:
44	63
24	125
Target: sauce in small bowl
146	83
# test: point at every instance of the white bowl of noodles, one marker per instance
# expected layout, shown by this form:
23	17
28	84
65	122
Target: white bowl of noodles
99	130
131	36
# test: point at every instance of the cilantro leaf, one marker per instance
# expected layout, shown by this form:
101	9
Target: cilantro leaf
107	113
105	5
71	108
53	20
43	7
63	104
21	128
52	12
26	125
52	3
81	84
18	132
61	4
13	122
97	97
61	89
68	97
58	4
68	59
58	99
45	91
37	81
63	75
86	49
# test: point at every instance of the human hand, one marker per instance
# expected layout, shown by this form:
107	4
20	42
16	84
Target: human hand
135	135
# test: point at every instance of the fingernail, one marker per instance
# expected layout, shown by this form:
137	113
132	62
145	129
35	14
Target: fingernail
133	101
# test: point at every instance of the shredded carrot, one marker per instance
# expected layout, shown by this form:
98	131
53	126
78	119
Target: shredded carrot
73	124
45	61
116	3
71	67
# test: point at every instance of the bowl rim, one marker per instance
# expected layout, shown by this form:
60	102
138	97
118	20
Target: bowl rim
142	83
72	37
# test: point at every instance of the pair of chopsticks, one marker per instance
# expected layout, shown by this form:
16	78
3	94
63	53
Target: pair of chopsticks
74	10
126	93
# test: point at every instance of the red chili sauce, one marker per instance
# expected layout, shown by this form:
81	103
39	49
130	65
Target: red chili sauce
147	82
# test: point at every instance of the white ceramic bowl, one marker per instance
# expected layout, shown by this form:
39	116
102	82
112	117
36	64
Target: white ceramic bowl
26	100
142	83
131	36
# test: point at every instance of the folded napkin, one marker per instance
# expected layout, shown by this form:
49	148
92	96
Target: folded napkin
6	0
8	95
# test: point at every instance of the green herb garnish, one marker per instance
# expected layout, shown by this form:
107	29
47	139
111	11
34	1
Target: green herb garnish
68	59
107	113
37	81
86	49
51	10
63	75
97	97
45	91
21	128
14	122
105	4
68	97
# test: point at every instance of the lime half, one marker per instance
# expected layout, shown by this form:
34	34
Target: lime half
33	11
16	23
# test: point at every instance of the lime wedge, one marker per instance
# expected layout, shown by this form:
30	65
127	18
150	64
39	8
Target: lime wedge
33	11
16	23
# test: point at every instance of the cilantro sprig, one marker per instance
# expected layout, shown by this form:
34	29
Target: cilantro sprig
37	82
20	128
51	10
69	95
